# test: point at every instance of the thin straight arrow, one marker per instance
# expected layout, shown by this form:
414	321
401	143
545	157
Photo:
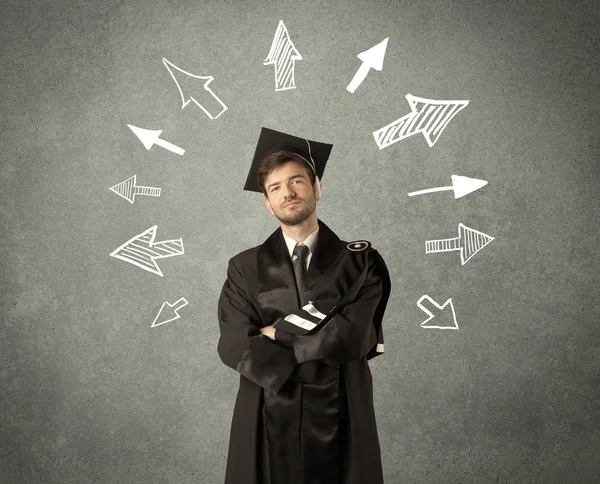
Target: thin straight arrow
128	189
371	59
461	185
150	137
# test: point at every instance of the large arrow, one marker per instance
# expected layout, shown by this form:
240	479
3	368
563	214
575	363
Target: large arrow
142	251
150	137
283	54
371	59
461	185
128	189
446	318
427	116
169	312
469	242
203	98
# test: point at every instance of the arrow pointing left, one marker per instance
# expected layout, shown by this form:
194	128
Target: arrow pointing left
128	189
169	312
150	137
142	251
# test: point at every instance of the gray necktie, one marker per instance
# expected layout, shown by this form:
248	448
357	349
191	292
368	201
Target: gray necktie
301	252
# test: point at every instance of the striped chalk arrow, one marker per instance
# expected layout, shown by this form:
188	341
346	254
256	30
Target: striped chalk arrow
427	116
283	54
128	189
169	312
150	137
444	315
461	185
468	242
142	251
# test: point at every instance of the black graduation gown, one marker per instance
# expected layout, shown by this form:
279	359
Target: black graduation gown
304	409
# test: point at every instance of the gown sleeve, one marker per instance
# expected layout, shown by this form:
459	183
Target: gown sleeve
348	335
241	346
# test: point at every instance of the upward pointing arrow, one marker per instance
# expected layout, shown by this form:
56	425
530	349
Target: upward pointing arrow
371	59
283	54
150	137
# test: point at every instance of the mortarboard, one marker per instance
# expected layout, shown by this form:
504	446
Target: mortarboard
270	141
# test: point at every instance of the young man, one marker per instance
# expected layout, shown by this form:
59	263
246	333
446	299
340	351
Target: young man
299	317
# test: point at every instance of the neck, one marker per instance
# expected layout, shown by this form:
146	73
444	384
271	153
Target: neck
301	231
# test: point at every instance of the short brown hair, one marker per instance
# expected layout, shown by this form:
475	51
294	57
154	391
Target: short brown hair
268	164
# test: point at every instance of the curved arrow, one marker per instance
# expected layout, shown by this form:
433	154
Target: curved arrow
461	185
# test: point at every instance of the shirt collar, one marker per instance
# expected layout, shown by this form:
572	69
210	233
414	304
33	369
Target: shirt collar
310	241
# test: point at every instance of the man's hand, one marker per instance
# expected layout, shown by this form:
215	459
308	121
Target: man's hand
268	331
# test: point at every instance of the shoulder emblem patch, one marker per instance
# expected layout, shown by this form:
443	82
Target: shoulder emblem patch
358	245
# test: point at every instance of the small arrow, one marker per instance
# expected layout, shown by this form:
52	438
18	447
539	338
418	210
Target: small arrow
461	185
142	251
216	105
128	189
371	59
469	242
427	116
442	313
150	137
283	54
165	314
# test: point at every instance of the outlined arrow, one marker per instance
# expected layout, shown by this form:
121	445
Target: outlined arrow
283	54
208	97
169	312
461	185
371	59
441	313
142	251
427	116
469	242
150	137
128	189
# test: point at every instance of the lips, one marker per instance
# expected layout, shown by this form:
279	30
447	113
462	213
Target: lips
291	203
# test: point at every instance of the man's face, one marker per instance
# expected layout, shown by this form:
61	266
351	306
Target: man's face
286	183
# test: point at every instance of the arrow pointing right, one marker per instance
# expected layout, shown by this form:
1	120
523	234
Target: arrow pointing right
446	318
469	242
461	185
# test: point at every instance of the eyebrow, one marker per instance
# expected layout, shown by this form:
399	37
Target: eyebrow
290	178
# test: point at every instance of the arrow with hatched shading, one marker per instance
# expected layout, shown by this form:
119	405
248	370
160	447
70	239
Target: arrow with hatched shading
283	54
128	189
427	116
142	251
468	242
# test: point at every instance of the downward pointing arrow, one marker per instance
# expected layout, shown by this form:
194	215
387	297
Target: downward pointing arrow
150	137
461	185
167	310
446	318
372	59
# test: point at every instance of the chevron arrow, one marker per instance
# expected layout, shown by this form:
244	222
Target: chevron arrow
444	314
128	189
283	54
427	116
468	242
169	312
142	251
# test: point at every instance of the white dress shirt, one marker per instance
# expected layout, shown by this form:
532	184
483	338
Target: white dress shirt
310	242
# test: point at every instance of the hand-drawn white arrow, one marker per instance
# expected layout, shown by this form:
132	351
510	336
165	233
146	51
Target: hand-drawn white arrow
167	310
208	98
469	242
441	312
150	137
142	251
428	116
283	54
461	185
371	59
128	189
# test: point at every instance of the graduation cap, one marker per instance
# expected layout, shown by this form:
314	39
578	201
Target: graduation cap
315	153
